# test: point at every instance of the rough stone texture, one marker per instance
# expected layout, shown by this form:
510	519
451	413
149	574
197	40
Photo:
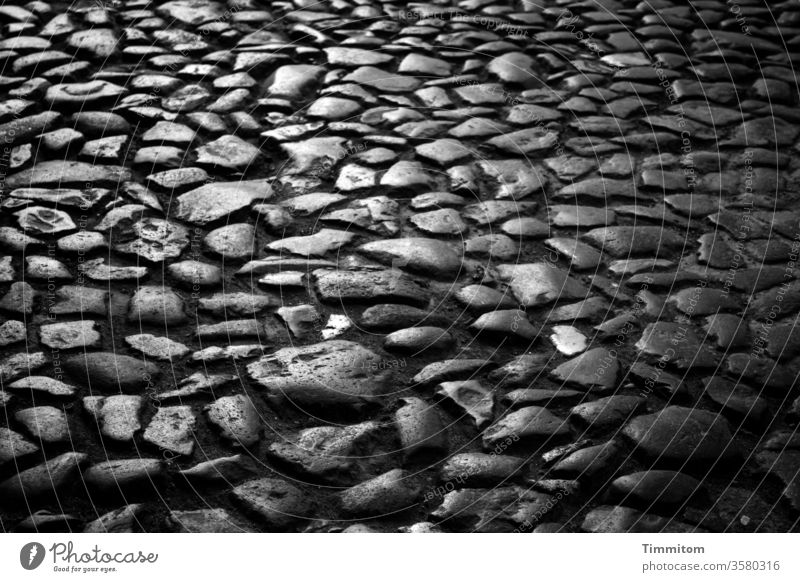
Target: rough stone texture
379	247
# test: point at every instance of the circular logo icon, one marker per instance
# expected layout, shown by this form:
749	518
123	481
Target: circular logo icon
31	555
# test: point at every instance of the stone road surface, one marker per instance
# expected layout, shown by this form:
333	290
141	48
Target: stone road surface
354	265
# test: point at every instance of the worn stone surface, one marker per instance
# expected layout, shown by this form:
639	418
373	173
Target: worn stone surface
391	250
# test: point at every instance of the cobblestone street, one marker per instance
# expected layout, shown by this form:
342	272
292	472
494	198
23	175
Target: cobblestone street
361	266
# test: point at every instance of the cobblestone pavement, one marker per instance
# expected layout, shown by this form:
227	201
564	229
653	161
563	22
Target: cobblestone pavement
354	265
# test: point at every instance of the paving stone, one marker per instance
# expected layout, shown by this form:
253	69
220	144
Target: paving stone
409	182
276	504
108	370
654	488
502	509
681	435
676	344
336	372
123	476
14	446
391	492
117	416
64	336
368	286
43	480
536	284
157	306
172	430
234	241
218	200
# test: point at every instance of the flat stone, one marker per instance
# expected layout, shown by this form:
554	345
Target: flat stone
537	284
318	154
507	322
329	454
355	57
209	521
586	463
42	480
616	519
568	340
231	329
676	344
417	64
74	334
212	202
407	175
695	301
14	446
17	365
389	316
60	197
117	416
295	82
156	305
515	68
237	304
19	299
195	273
192	12
502	509
596	369
221	471
417	340
654	488
416	254
318	244
59	174
300	319
481	298
178	179
38	220
420	427
333	108
531	422
444	221
124	476
626	241
45	385
122	520
481	469
680	435
12	332
237	419
472	397
108	370
228	152
739	402
45	423
391	492
369	286
382	80
335	372
444	152
172	430
46	268
159	348
158	240
276	504
607	413
234	241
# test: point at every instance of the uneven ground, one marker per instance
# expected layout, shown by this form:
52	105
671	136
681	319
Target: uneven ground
360	266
